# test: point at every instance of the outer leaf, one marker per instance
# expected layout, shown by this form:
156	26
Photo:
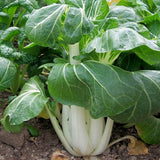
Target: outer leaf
106	90
44	25
123	39
149	130
7	73
28	104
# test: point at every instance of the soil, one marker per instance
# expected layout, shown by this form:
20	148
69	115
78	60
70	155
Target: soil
23	146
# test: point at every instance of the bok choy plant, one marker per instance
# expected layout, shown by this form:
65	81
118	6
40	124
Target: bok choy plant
86	84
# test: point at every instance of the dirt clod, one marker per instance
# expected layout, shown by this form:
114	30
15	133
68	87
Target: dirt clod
16	140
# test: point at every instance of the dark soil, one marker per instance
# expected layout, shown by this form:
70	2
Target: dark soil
23	146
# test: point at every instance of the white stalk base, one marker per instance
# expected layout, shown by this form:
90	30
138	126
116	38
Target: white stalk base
85	135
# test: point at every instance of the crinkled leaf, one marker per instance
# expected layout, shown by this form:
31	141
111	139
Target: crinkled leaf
26	58
123	39
106	90
149	130
28	104
30	5
7	73
8	51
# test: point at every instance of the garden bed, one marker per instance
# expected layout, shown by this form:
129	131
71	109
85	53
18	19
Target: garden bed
23	146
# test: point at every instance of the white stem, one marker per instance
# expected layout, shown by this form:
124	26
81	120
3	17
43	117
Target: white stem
80	138
66	123
105	138
96	130
74	51
60	133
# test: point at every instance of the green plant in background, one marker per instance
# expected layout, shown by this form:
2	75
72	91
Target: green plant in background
88	84
13	15
14	48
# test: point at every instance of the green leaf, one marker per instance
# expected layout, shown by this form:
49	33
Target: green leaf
51	1
9	33
33	131
8	51
149	130
7	73
44	25
73	3
29	5
106	91
124	39
4	17
2	4
73	26
8	127
76	25
157	3
65	22
122	13
129	61
28	104
96	10
153	23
